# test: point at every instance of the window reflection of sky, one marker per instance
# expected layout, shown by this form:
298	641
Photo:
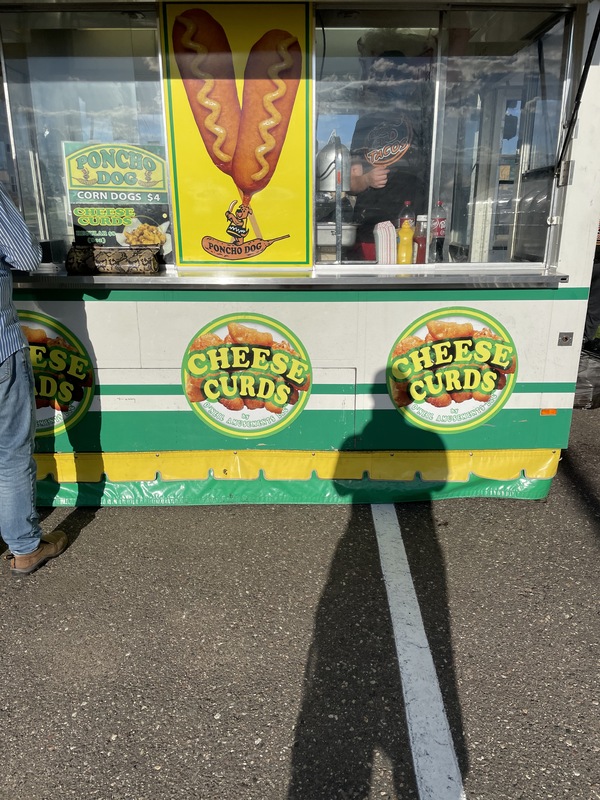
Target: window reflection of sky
342	124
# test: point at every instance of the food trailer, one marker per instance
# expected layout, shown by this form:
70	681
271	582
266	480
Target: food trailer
223	313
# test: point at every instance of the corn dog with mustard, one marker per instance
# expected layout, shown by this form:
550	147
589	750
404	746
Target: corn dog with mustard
205	62
271	82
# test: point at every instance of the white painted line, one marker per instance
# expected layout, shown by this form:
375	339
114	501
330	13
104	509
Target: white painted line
434	758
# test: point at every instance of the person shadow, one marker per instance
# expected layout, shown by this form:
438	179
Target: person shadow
352	727
80	484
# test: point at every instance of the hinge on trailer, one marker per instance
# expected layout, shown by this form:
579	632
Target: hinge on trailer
553	220
565	172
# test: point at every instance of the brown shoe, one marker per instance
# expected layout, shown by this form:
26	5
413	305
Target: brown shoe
51	545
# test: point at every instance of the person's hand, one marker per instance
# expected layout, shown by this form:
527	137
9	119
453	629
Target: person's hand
377	177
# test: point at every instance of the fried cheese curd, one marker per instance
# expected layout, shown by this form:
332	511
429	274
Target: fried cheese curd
440	390
59	385
237	388
400	389
145	234
485	333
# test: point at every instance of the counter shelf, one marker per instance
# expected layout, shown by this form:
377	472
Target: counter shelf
334	277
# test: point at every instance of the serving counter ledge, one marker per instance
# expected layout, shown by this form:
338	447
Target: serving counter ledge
334	276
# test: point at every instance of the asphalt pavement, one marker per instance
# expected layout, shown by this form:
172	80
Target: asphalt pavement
250	652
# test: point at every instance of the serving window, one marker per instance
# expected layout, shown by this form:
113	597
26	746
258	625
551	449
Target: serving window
454	117
77	79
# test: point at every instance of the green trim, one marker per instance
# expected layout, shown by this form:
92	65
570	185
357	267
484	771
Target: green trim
140	389
545	388
278	295
144	389
174	172
308	133
123	432
262	491
516	428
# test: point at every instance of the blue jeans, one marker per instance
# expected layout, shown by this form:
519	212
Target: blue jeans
19	520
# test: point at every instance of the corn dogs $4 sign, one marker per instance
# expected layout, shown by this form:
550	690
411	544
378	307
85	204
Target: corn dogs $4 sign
246	375
452	369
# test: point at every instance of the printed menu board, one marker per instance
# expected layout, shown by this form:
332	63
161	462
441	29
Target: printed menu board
118	195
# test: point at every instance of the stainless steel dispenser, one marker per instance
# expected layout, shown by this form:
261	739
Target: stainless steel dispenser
335	229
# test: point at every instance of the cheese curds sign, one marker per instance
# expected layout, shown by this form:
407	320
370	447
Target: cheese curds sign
118	194
62	370
452	369
246	375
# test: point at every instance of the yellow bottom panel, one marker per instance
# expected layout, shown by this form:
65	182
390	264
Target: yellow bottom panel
451	465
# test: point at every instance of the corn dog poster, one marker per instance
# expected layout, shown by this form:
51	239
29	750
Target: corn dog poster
238	122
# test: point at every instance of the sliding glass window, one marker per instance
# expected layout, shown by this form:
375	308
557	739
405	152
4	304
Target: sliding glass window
453	115
75	76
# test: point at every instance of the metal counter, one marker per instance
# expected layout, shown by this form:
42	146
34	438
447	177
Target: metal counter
335	276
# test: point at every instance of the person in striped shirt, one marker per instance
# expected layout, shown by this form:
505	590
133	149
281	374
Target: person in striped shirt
19	520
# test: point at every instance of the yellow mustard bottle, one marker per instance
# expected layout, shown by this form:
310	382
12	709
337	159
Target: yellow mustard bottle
405	243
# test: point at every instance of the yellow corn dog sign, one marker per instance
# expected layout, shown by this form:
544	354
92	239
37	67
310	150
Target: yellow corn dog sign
237	105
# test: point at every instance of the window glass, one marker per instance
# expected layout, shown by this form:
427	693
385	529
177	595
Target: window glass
499	122
76	76
375	93
456	114
8	178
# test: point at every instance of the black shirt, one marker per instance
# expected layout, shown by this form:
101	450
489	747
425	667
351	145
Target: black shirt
396	140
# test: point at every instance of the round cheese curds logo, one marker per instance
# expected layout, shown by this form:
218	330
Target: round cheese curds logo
246	375
452	369
62	371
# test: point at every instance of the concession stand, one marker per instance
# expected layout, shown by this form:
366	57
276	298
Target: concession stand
302	252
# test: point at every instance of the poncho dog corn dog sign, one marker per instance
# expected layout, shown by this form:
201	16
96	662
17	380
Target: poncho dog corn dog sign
234	86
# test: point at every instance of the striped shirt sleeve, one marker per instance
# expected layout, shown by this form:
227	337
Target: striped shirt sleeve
19	249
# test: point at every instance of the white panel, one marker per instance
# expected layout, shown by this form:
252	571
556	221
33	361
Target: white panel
139	377
329	331
528	324
107	330
562	362
144	343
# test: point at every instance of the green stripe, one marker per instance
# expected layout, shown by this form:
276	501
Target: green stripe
139	389
143	390
406	295
520	388
262	491
122	432
545	388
